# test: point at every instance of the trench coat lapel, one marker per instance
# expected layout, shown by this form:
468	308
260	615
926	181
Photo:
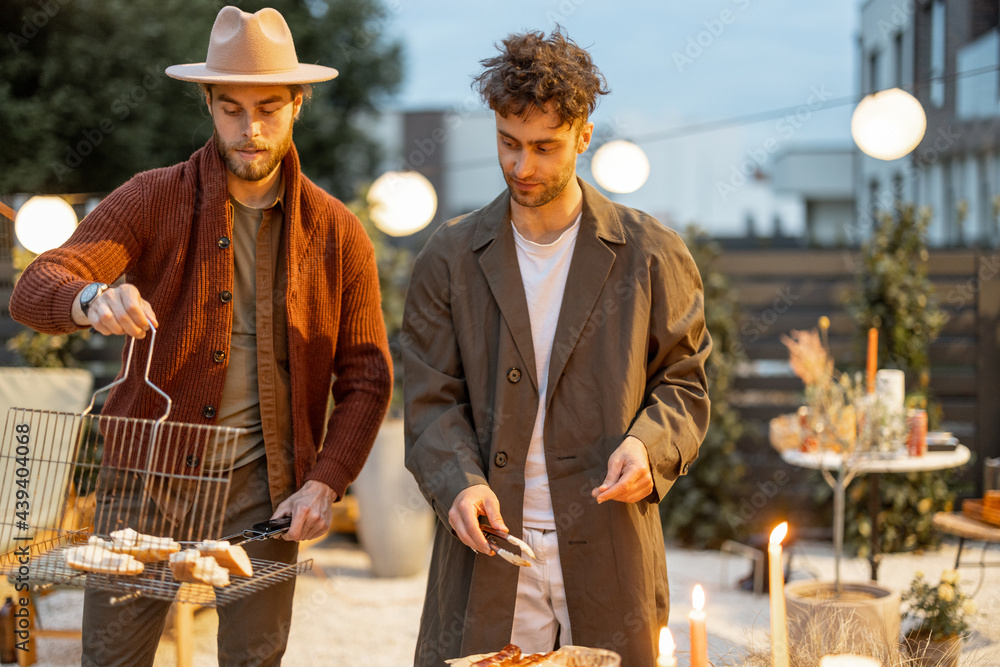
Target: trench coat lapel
499	264
589	270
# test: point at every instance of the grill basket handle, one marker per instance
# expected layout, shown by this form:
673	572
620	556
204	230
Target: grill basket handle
124	376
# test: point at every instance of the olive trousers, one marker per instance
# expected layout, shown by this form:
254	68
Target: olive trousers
253	630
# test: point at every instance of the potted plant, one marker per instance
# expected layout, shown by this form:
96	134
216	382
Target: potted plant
839	417
936	619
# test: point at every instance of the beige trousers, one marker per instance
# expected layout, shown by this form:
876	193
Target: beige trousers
541	616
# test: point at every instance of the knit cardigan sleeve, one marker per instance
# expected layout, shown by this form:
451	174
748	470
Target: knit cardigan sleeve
362	365
100	250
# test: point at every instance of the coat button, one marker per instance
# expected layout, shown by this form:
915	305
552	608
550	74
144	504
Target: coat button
192	461
225	296
500	459
223	242
219	356
684	470
208	412
513	376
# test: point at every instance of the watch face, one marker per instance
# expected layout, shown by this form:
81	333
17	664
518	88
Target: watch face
88	293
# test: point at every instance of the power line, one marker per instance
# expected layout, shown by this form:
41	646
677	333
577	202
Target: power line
750	119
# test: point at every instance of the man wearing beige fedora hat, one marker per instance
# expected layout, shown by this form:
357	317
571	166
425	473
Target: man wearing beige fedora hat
264	295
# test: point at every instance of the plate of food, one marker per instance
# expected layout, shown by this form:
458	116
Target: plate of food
567	656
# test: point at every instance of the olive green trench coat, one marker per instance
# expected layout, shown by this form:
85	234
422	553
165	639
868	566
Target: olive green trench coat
628	358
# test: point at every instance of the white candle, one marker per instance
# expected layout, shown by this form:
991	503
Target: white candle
699	635
667	647
776	580
847	660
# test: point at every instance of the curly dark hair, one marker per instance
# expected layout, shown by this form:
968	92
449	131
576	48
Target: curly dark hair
533	70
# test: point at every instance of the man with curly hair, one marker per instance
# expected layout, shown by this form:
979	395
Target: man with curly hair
554	349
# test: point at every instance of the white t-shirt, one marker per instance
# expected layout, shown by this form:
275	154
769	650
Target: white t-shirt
544	269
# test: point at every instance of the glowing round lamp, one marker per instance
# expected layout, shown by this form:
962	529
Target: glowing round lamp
620	166
888	124
43	223
402	202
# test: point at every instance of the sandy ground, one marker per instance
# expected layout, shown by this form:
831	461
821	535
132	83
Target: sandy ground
344	616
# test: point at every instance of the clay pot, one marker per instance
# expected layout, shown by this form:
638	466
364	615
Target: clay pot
395	523
864	619
927	651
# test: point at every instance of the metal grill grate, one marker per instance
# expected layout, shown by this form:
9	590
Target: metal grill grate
156	581
65	477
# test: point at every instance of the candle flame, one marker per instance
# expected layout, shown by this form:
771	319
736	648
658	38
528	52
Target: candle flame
778	534
698	598
667	645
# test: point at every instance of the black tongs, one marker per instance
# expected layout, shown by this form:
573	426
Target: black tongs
262	531
506	545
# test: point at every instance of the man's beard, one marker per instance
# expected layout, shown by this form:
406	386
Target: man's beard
253	171
551	188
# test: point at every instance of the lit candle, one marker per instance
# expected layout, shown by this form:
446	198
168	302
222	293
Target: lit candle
847	660
872	366
776	581
667	647
699	636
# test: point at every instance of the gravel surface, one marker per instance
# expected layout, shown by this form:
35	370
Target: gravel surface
344	616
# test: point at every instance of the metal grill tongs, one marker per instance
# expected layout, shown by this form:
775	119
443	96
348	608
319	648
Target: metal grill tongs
264	530
506	545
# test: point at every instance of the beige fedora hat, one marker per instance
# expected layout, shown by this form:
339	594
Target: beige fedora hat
253	49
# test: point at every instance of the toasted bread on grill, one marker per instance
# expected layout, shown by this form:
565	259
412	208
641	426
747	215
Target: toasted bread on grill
96	557
190	566
231	557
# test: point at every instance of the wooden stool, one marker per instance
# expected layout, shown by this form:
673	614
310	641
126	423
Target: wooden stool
967	528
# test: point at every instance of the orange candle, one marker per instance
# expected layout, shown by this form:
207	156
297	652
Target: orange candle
776	582
667	647
872	365
699	636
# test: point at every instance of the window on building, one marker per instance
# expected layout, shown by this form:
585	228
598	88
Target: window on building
937	52
983	206
873	77
897	60
948	218
873	195
984	15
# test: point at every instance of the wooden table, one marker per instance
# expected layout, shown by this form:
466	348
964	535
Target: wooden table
874	468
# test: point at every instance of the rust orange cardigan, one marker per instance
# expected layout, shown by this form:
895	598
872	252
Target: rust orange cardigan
162	230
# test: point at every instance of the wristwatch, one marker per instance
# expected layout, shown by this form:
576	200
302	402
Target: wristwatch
89	293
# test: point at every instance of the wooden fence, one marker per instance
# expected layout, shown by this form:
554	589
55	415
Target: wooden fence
780	290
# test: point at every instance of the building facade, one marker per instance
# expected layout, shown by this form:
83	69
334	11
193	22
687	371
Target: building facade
946	53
